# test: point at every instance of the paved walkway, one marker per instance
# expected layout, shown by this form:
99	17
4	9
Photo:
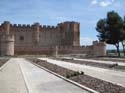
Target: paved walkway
11	79
37	80
116	77
98	61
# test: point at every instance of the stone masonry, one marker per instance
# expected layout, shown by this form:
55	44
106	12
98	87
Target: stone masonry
41	39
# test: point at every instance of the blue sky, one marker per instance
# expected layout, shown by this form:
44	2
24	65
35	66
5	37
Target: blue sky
51	12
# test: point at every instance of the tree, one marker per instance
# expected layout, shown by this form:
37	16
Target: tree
123	36
110	29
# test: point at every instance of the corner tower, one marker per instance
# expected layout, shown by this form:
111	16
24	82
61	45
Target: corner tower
75	30
7	40
70	33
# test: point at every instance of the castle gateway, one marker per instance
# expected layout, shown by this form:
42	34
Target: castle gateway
40	39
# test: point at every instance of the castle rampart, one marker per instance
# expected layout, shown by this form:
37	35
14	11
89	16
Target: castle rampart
43	39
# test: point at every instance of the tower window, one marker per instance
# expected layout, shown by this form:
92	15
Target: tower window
21	38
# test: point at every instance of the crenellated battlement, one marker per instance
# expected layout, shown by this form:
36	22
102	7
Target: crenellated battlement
30	26
45	27
48	27
21	25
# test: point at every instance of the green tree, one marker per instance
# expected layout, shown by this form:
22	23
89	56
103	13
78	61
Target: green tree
101	28
123	36
110	29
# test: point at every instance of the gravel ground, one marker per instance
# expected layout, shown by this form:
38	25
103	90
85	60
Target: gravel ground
55	68
102	65
3	61
91	82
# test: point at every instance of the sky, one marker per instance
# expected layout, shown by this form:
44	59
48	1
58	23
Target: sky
52	12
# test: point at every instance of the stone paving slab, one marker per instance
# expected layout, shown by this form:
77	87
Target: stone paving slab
100	61
20	76
41	81
116	77
11	79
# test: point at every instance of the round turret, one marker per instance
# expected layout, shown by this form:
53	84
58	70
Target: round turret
7	40
7	45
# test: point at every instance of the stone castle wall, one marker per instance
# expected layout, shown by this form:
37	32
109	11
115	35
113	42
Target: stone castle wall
88	50
46	35
38	39
64	34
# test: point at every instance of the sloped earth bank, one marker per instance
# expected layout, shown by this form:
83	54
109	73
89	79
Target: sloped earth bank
102	65
3	61
91	82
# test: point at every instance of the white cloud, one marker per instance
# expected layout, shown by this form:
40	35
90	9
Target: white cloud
86	40
102	3
94	2
105	3
63	18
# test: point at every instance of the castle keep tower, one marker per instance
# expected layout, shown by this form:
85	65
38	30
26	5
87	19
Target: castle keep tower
75	28
7	40
70	33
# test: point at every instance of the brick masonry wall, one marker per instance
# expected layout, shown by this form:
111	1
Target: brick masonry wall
52	50
37	39
48	36
99	50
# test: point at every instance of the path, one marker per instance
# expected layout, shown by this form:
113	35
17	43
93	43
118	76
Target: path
116	77
98	61
37	80
11	78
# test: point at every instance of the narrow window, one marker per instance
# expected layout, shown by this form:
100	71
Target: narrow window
21	38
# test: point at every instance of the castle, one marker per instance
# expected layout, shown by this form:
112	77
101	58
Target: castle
40	39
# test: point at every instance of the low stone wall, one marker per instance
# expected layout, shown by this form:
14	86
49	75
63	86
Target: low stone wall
51	50
32	50
97	49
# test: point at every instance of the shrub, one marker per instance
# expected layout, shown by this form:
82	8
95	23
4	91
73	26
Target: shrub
76	73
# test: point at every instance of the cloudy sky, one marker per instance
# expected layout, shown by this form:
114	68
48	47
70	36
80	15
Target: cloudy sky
51	12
